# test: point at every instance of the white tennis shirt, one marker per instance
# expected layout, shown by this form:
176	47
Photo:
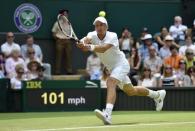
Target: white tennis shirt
113	57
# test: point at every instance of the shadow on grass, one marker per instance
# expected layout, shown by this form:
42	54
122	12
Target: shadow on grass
136	123
130	123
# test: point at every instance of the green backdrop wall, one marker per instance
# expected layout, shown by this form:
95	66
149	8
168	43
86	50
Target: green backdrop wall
134	14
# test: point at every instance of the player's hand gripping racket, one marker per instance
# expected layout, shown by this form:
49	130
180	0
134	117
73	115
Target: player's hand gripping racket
63	22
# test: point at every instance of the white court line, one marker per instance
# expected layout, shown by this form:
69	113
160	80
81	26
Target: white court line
115	126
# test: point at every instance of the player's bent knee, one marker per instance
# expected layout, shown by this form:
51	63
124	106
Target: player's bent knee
129	89
111	82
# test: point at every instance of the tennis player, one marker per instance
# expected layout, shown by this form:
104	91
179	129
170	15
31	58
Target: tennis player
106	45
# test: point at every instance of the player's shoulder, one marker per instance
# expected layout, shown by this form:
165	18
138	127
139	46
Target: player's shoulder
112	34
92	33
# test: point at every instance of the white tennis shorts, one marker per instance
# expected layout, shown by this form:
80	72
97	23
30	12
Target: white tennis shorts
121	73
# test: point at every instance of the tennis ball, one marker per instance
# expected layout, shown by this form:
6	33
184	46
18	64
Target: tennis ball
102	13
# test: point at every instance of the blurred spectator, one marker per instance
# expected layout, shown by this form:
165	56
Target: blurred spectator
41	76
31	56
181	73
63	45
30	44
126	41
188	44
139	41
193	31
174	59
178	30
146	79
160	37
182	68
36	53
9	45
144	32
2	66
16	81
104	77
12	61
134	61
93	67
191	74
165	50
33	71
189	58
144	49
153	61
168	78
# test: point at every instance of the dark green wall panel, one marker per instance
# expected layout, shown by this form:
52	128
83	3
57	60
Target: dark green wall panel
136	15
131	13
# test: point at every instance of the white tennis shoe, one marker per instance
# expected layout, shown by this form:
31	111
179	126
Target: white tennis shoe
159	101
104	116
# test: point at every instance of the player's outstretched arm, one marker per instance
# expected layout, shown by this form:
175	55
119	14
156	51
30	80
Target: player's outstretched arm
83	44
100	48
94	48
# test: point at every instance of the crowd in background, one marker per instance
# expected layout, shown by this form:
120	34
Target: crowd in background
22	62
163	59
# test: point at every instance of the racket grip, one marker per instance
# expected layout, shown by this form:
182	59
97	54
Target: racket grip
76	40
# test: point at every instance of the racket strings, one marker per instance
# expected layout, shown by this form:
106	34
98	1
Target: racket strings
66	27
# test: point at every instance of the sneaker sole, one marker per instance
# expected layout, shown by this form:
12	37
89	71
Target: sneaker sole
101	117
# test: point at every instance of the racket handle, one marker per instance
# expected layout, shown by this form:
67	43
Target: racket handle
76	40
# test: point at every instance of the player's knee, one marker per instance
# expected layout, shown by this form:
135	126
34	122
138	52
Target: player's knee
129	90
111	82
132	92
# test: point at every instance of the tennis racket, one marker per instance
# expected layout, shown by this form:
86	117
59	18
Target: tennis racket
66	27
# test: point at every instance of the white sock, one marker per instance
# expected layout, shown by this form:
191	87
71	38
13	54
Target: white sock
153	94
109	108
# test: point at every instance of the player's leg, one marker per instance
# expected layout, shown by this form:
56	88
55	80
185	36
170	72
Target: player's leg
105	116
131	90
117	75
111	94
